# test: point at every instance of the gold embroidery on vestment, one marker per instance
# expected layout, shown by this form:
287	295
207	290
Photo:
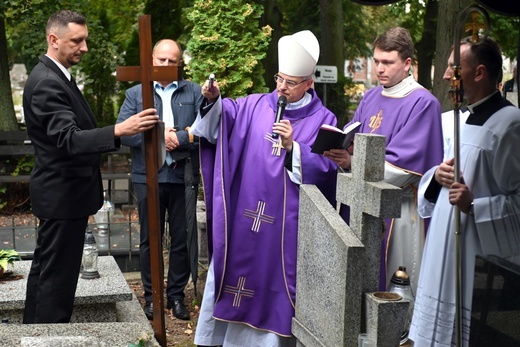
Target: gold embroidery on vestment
375	121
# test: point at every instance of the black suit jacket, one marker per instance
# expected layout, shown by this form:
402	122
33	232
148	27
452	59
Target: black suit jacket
66	179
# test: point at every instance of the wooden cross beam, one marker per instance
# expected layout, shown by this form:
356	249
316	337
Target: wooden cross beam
146	73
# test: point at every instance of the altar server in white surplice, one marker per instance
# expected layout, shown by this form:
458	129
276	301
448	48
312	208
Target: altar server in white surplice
488	197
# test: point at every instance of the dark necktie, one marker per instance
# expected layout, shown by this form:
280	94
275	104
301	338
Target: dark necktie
75	88
73	81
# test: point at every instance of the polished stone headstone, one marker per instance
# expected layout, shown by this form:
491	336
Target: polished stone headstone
495	316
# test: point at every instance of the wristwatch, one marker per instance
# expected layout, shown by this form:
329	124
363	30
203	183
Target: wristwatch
471	209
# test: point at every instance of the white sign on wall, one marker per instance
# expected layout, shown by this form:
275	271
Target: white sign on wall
326	74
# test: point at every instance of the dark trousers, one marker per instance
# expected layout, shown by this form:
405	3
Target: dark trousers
171	200
52	281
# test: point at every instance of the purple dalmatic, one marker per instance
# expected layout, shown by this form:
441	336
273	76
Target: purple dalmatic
410	119
252	208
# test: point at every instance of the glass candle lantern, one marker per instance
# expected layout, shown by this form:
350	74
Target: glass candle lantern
400	284
90	257
103	216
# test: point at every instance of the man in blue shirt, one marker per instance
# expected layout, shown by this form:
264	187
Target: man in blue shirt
177	103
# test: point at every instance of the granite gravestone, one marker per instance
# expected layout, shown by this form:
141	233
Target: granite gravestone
338	263
18	76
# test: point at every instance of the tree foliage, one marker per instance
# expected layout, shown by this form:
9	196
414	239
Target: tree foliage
227	41
506	31
231	38
109	25
8	120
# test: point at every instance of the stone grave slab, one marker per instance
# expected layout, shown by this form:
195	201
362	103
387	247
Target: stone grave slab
105	310
329	258
337	263
95	298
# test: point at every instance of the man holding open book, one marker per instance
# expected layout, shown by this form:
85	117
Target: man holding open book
410	118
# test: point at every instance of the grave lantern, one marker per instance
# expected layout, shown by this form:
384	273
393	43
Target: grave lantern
90	257
103	216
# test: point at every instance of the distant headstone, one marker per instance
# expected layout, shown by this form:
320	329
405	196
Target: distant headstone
338	263
513	97
203	234
18	75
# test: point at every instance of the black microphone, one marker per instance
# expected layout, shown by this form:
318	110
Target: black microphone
211	80
282	102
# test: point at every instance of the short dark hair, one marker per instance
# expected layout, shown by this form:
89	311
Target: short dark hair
396	39
62	19
486	52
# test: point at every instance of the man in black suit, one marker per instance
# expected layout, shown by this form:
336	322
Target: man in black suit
66	186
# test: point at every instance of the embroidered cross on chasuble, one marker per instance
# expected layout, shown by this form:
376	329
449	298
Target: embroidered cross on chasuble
277	144
239	291
258	216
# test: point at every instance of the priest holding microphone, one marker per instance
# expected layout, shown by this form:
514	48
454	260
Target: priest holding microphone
255	152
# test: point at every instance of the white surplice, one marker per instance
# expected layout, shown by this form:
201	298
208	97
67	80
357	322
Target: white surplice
490	166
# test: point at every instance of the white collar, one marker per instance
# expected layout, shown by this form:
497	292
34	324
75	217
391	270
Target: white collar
62	68
401	89
173	85
300	103
481	101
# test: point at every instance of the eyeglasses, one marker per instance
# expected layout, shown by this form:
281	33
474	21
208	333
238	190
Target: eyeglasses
290	84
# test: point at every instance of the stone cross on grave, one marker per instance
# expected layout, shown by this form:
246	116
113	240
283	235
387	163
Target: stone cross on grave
146	73
337	263
370	200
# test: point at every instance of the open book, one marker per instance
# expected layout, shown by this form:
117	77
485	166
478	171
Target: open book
330	137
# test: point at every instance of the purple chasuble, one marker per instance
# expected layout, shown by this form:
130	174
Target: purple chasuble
252	208
413	130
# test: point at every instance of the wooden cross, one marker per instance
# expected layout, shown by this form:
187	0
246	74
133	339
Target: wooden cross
370	200
146	73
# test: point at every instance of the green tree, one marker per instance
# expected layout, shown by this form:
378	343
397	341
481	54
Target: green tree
168	22
18	18
110	26
226	40
420	18
272	16
7	114
506	31
449	11
343	30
